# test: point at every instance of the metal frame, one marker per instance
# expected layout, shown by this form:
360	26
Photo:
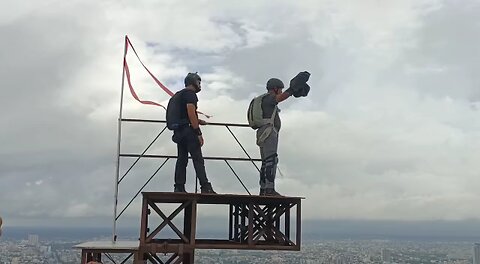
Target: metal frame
255	222
119	179
166	158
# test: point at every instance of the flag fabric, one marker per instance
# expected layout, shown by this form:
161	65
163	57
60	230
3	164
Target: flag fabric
126	70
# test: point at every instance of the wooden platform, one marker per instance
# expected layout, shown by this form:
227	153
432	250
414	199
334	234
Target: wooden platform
95	249
171	197
122	246
255	223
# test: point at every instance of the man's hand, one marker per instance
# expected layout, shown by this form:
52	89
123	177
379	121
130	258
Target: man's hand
202	122
200	139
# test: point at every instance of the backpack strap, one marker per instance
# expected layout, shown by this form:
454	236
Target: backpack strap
271	120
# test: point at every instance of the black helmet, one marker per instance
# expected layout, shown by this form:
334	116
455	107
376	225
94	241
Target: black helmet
274	83
192	79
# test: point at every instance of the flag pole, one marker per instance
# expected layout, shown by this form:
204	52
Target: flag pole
119	125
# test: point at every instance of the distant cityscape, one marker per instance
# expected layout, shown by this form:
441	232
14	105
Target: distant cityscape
35	249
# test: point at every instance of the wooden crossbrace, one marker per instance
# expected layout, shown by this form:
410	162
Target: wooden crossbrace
168	221
127	258
265	224
154	258
269	227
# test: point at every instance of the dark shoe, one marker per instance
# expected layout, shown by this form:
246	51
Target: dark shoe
271	192
262	192
179	188
207	188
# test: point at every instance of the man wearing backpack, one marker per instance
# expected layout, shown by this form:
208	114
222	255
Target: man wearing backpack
183	119
263	116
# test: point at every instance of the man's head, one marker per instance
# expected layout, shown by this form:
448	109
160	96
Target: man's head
275	85
193	80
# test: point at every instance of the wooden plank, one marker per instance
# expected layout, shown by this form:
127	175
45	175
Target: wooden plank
287	222
230	222
124	246
193	223
299	225
144	221
250	224
243	223
170	197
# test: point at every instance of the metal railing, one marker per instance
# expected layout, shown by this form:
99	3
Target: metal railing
167	158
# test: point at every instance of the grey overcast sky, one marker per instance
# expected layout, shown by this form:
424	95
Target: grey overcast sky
390	130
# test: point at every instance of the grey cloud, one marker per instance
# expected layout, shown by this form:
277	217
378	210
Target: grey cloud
381	130
447	42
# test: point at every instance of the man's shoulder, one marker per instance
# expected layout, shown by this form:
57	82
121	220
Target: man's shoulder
189	92
189	95
269	99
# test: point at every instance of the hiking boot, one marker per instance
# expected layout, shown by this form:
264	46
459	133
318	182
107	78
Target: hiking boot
262	192
271	192
207	188
180	188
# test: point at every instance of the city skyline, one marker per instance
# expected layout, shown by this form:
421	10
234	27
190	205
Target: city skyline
313	252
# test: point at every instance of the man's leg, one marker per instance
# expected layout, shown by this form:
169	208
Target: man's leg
199	163
262	173
269	162
270	171
181	167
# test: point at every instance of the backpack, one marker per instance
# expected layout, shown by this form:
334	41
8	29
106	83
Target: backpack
255	113
174	110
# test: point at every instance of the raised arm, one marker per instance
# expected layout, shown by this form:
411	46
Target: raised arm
283	96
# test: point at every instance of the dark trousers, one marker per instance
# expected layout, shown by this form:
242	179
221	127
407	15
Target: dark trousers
187	142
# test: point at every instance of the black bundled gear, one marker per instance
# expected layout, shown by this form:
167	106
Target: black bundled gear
299	86
303	91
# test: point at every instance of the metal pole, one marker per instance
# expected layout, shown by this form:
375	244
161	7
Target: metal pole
117	169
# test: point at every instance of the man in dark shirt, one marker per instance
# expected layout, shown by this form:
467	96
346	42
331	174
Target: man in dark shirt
267	136
189	136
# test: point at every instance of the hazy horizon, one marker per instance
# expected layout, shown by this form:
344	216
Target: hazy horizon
311	229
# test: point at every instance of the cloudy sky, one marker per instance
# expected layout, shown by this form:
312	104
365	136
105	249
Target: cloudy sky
390	130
